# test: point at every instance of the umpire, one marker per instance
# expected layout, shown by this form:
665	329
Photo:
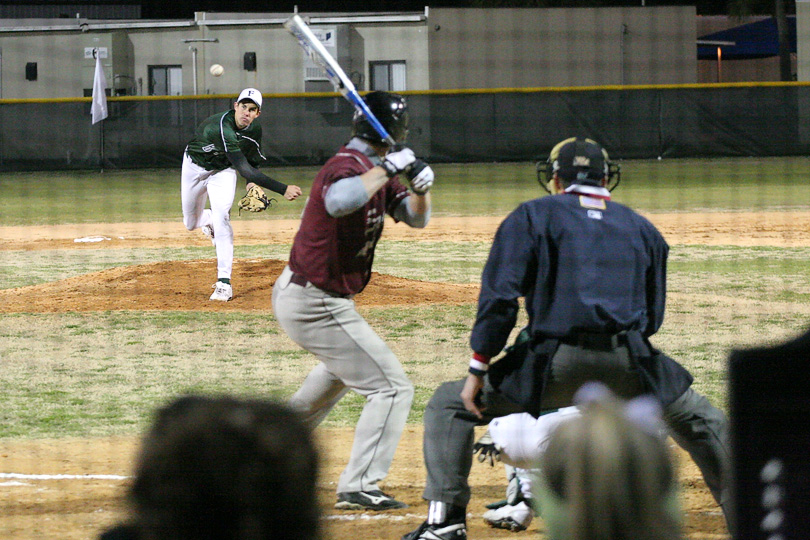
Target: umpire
593	275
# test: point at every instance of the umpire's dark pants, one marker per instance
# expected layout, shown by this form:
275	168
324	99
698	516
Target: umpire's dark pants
696	425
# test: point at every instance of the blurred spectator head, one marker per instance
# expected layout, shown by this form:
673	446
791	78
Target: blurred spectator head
225	468
608	474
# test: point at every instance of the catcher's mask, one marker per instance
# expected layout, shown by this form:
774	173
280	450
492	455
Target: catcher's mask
392	112
578	160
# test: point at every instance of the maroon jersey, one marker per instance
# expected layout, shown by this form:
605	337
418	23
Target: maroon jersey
336	254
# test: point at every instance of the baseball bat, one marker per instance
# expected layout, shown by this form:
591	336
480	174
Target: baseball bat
318	53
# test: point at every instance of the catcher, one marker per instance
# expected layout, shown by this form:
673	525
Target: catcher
224	144
519	442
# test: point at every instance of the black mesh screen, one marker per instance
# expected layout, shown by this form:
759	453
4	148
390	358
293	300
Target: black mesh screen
445	127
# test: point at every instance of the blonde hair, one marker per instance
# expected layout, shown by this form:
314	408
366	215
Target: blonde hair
605	477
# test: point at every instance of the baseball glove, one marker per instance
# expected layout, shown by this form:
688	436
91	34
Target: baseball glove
486	448
255	200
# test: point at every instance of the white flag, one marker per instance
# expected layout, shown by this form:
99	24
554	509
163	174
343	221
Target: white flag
99	107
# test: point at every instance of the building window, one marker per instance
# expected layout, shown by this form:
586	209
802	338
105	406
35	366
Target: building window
390	76
165	80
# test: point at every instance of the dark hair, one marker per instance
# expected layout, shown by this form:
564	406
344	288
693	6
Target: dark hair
224	468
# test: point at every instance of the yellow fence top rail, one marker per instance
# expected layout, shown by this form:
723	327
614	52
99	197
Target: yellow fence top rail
626	87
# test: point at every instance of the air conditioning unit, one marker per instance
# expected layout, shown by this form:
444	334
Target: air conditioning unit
335	40
346	46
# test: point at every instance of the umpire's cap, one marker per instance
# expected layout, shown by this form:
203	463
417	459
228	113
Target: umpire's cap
579	160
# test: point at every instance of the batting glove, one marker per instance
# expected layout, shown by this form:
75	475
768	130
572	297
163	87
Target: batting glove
421	177
397	161
486	448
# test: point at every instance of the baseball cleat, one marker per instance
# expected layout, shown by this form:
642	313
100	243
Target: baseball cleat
515	518
443	531
208	231
367	500
222	292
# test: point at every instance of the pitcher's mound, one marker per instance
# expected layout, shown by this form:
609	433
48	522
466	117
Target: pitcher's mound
186	285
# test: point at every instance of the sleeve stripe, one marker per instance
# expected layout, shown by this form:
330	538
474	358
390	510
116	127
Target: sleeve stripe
222	131
258	147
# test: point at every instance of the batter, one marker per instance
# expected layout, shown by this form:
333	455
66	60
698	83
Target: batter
330	262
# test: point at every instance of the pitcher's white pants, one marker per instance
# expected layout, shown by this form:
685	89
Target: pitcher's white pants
219	187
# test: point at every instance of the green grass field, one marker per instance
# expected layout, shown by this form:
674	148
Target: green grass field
460	189
103	373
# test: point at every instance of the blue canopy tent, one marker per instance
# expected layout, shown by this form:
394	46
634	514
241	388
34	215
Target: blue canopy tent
753	40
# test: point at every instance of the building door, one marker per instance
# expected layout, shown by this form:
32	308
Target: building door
390	76
165	80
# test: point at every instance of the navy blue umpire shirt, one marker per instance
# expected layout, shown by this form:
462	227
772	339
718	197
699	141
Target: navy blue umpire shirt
583	264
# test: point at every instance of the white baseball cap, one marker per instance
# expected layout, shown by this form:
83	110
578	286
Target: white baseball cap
252	94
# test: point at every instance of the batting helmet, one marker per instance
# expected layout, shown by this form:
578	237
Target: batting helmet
392	112
578	160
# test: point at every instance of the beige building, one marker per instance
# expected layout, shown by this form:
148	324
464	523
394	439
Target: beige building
803	40
434	49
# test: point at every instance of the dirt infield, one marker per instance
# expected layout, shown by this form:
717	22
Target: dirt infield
74	509
155	286
77	508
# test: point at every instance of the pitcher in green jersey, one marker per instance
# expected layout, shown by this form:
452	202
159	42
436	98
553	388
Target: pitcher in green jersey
223	144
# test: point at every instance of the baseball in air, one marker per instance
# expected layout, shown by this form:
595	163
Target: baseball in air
217	70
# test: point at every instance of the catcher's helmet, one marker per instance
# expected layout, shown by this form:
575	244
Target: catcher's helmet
578	160
392	112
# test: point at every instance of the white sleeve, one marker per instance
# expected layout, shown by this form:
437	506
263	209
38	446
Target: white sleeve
403	213
345	196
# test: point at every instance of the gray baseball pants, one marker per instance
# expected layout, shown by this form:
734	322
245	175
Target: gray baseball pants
694	423
352	357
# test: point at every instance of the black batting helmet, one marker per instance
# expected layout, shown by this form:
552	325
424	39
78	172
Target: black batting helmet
392	112
578	160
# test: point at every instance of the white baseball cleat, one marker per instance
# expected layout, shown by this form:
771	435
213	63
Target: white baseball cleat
222	292
208	231
516	517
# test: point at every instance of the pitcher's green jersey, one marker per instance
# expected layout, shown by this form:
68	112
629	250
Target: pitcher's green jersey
218	134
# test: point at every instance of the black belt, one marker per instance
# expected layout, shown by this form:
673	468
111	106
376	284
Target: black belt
298	279
596	341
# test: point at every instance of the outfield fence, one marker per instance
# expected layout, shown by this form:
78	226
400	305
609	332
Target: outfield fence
763	119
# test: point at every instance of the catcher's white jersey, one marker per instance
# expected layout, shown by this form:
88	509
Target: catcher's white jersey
523	438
